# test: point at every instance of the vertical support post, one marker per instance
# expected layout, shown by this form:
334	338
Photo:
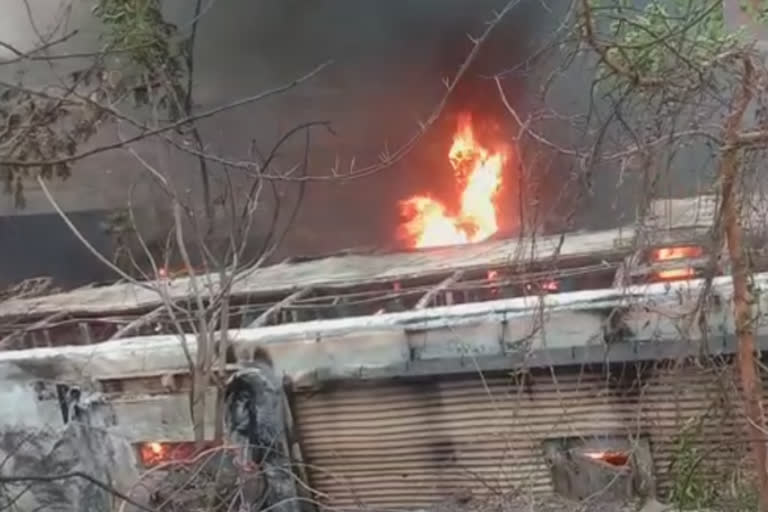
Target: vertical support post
85	332
47	336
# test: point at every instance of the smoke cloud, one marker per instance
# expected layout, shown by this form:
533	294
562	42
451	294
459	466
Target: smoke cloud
389	61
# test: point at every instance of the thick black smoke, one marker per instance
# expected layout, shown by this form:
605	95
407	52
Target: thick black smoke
389	62
390	59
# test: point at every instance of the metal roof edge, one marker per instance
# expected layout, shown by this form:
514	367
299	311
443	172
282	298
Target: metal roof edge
552	326
335	272
620	352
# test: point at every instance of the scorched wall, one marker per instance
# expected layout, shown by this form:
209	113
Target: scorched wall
405	444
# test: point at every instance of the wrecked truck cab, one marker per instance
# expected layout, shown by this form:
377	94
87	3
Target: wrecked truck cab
249	467
67	447
54	444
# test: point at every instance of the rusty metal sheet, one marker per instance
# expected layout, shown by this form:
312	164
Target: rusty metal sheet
401	444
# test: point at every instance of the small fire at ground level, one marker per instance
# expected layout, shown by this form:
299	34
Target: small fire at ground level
478	171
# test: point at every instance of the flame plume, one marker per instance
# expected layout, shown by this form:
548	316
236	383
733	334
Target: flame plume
478	172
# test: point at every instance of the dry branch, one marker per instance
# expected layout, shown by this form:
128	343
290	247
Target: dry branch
138	323
37	325
18	479
169	127
387	158
275	308
427	298
731	175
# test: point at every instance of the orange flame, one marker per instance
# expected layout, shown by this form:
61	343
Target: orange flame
479	173
612	458
677	253
674	274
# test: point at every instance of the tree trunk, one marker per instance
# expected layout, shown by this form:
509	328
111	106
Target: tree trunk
199	387
731	201
745	332
201	368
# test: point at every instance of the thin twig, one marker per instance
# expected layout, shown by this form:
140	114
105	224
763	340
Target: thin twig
70	475
177	124
28	55
85	241
137	323
37	325
426	299
275	308
389	158
201	376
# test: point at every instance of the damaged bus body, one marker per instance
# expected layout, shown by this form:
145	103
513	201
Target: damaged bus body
464	379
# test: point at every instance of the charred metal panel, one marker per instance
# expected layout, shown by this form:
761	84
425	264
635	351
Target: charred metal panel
158	417
544	328
336	353
407	444
339	271
349	347
84	446
22	403
460	341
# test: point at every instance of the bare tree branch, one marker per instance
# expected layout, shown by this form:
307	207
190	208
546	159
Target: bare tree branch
172	126
387	159
74	474
30	55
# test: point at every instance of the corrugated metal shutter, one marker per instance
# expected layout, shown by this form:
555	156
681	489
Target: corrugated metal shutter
405	444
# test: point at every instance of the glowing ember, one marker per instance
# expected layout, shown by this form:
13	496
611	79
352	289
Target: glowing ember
154	453
478	173
612	458
675	274
677	253
550	285
672	254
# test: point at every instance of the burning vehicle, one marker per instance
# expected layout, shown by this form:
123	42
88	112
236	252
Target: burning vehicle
397	379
